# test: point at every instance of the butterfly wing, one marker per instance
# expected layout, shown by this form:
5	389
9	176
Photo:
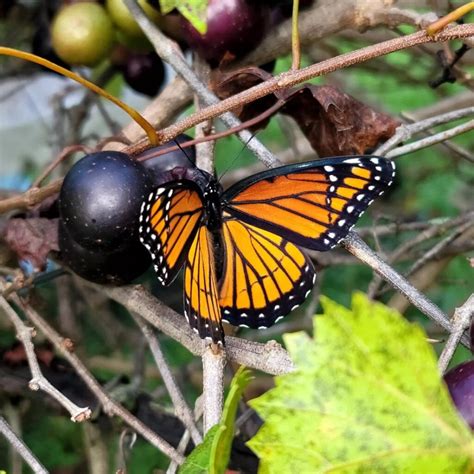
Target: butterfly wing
264	276
313	204
169	220
201	305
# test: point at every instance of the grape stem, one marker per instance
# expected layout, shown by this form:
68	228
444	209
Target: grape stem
295	38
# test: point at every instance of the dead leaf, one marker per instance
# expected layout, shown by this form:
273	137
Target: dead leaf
32	239
334	122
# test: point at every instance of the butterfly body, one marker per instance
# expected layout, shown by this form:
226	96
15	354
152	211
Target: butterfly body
240	248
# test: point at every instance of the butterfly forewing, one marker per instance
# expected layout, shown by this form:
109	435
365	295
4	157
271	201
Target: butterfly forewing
201	305
265	276
312	204
169	220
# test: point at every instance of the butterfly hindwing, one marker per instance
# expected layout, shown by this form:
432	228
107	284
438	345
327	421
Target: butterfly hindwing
312	204
201	305
169	220
264	277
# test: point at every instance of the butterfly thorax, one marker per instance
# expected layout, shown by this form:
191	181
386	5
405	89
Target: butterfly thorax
212	203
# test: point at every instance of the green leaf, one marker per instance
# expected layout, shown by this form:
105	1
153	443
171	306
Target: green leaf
195	11
366	397
212	455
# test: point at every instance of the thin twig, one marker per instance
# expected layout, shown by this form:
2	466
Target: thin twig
213	364
460	322
432	140
405	131
293	78
109	405
355	245
182	410
438	248
423	236
21	447
38	380
31	197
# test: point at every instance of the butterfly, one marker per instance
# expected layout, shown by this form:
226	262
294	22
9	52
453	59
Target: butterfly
240	248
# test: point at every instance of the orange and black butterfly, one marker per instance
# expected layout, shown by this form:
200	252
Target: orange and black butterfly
241	247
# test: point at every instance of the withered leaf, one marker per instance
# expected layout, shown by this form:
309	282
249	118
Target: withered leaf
32	239
334	122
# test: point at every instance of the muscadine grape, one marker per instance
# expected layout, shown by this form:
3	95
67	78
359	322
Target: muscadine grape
233	26
100	200
100	266
82	34
460	382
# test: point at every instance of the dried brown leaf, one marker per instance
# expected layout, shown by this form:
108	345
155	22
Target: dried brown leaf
334	122
32	239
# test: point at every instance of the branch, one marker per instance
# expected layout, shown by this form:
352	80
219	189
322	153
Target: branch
404	132
432	140
31	197
270	357
21	447
355	245
460	322
109	405
170	52
38	380
293	78
213	364
182	410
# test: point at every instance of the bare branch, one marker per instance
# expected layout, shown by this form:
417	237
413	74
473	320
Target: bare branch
213	364
21	447
460	322
406	131
31	197
110	406
432	140
38	380
362	251
269	357
293	78
182	410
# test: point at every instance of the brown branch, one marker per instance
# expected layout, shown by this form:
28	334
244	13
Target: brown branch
31	197
293	78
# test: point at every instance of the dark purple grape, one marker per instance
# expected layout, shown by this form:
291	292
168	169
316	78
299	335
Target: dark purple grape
163	163
100	200
114	268
460	382
233	26
144	73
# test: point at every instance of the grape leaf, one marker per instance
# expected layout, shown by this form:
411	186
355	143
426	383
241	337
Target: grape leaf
195	11
212	455
366	397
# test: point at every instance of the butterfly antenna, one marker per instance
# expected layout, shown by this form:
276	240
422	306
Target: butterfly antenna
231	164
183	150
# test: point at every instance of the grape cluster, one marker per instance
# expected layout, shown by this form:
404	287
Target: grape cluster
85	33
